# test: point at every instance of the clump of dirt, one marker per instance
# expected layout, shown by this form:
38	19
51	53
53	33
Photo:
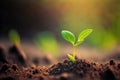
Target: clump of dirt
87	70
18	54
79	67
3	55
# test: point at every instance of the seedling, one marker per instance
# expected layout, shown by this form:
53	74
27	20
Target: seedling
47	43
70	37
14	37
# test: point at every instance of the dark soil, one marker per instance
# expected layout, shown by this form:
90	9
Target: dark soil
13	72
66	70
87	70
15	65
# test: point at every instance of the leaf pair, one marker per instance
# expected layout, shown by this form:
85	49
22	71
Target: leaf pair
70	37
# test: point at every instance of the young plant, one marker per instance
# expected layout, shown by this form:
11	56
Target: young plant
47	43
14	37
70	37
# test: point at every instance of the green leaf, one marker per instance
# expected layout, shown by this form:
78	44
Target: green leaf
83	35
47	42
14	37
71	58
68	36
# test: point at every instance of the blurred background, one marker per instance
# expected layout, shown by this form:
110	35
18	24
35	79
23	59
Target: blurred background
41	21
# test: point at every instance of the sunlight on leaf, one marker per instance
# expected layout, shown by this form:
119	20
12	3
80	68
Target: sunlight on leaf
83	35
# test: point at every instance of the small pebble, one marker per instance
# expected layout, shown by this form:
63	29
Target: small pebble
112	62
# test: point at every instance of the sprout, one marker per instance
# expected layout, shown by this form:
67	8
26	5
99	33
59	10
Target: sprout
14	37
70	37
47	42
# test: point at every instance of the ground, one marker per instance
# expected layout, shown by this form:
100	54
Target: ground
17	64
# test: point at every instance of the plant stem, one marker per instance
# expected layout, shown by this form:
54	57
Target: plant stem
74	51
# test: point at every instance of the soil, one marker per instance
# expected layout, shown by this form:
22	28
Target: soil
15	65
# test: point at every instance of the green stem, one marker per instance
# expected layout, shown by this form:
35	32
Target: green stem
74	51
